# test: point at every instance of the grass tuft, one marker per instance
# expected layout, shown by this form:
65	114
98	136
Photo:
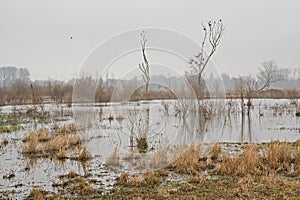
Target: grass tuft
36	194
215	152
41	144
84	155
278	156
61	154
114	159
123	179
249	162
188	161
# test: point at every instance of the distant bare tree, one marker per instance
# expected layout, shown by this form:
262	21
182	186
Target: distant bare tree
240	87
249	87
100	89
268	74
21	91
84	88
9	74
213	32
144	66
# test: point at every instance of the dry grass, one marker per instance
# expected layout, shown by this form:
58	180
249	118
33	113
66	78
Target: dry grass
85	186
3	143
67	129
64	130
41	144
249	162
84	155
69	175
198	179
188	161
297	155
36	194
114	159
159	158
215	152
110	117
297	160
78	186
151	178
268	186
61	154
123	179
297	143
74	140
56	144
32	144
146	179
249	174
42	135
228	165
73	127
142	144
278	156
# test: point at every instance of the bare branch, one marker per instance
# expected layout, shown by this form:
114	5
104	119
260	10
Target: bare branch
144	67
268	74
213	31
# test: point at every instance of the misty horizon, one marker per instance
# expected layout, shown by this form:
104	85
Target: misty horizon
55	46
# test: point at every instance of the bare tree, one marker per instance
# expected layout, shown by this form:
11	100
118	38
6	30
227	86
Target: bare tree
249	87
213	32
268	74
144	66
239	85
100	89
20	91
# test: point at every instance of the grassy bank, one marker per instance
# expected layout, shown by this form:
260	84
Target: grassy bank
266	171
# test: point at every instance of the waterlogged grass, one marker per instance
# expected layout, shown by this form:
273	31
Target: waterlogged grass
289	129
219	187
267	171
10	128
4	117
258	172
11	122
59	144
13	119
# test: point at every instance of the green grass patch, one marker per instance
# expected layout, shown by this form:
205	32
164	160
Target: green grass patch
9	129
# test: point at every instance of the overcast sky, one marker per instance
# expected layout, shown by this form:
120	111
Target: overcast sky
36	34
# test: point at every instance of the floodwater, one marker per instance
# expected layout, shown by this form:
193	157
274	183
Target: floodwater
166	126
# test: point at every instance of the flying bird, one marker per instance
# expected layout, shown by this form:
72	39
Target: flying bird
71	37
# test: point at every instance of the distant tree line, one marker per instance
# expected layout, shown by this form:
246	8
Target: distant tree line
17	88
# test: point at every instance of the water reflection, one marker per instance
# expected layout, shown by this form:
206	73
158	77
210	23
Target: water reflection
165	133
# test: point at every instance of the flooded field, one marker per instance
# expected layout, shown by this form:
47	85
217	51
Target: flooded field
132	137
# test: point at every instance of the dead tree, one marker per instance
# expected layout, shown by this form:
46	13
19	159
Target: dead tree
249	87
213	32
239	85
268	74
144	66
